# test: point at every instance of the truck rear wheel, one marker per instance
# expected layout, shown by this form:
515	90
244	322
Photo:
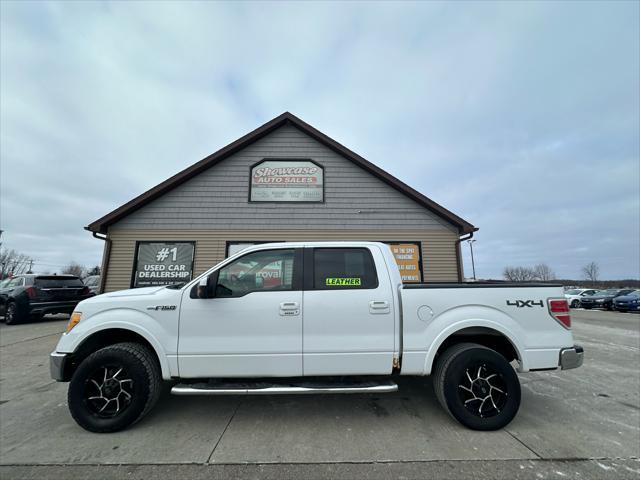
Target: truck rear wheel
477	386
114	387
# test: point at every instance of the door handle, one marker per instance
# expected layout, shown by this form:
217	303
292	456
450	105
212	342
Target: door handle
378	307
289	305
288	309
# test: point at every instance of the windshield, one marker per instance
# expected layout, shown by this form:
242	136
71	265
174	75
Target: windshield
573	292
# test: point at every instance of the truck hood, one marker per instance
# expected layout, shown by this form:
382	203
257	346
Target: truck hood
135	292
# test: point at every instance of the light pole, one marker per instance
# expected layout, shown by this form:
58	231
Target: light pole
473	265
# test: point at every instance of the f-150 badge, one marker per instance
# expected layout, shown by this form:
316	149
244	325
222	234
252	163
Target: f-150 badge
525	303
162	307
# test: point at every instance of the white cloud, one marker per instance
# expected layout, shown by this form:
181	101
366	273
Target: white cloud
520	117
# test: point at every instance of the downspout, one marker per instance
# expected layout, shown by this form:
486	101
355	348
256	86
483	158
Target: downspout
105	260
459	254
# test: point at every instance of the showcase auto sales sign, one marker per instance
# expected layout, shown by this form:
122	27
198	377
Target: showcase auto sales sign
287	181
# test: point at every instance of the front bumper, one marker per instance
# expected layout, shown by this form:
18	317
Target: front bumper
57	363
571	357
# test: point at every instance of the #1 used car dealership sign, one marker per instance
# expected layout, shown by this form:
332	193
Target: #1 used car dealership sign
287	181
163	263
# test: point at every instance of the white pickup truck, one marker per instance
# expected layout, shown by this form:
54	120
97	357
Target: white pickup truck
312	317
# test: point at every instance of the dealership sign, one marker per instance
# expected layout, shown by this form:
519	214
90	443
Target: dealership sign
287	181
163	263
408	258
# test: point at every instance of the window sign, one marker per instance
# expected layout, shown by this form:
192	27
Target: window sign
163	263
287	181
409	259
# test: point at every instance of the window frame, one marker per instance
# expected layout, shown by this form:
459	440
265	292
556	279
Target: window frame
309	270
228	244
296	281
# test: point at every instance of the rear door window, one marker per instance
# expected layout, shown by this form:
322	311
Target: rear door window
343	268
58	282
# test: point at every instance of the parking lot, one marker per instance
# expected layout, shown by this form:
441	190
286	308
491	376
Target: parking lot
583	422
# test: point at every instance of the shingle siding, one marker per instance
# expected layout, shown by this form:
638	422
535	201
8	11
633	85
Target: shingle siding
218	197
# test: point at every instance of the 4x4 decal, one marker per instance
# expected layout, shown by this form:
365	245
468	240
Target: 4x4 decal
525	303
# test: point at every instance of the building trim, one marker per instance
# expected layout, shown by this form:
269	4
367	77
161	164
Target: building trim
101	225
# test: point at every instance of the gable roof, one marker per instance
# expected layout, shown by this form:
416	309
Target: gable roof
101	225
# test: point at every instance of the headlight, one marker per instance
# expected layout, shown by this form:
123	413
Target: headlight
74	320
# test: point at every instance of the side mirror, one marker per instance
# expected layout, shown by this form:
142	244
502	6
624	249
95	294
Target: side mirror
205	287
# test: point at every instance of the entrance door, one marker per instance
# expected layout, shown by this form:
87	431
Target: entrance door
251	325
348	313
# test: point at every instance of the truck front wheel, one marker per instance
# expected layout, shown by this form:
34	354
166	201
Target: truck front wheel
114	387
477	386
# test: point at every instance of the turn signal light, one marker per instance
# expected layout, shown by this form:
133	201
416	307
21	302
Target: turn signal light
73	321
559	309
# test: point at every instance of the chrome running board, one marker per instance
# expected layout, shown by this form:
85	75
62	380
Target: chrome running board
282	389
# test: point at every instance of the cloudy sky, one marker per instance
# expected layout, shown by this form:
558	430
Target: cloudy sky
523	118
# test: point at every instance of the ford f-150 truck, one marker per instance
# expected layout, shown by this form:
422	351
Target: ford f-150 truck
311	317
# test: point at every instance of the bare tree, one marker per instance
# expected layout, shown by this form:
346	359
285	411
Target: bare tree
13	263
74	269
591	271
543	272
519	274
93	271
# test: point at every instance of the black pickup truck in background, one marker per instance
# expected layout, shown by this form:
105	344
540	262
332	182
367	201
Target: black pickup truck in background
26	296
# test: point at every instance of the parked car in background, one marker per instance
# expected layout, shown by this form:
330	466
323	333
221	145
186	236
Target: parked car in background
603	298
37	295
575	295
93	282
628	303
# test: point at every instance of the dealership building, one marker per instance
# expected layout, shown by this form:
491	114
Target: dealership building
284	181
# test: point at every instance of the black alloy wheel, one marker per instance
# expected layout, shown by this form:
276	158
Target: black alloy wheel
12	314
108	391
114	387
477	386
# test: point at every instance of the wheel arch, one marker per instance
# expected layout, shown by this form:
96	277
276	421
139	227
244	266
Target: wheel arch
110	336
489	334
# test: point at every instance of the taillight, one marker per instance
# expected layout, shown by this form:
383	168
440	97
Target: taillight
559	309
31	292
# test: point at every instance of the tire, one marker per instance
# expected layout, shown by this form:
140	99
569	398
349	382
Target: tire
575	303
467	371
103	400
13	314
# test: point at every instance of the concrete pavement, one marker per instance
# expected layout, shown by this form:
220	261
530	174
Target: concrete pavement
566	419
